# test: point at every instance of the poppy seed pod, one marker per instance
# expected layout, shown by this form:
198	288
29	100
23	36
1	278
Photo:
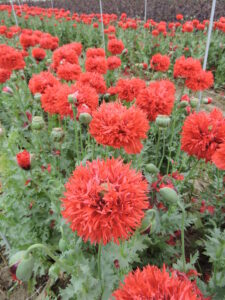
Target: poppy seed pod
57	134
163	121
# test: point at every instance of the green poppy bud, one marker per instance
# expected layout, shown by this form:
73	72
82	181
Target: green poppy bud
62	245
183	103
72	98
25	268
37	123
37	96
148	220
57	134
17	257
163	121
151	168
194	102
169	194
85	118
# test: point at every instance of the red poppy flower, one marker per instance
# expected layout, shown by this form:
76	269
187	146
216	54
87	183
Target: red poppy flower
160	62
10	58
38	53
129	89
186	67
218	157
4	75
104	201
115	125
95	52
157	99
179	17
64	54
200	81
24	159
152	283
39	82
113	62
68	71
97	64
115	46
94	80
85	94
202	134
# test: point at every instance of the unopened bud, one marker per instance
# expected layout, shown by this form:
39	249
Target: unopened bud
194	102
37	96
37	123
85	118
57	134
152	169
169	194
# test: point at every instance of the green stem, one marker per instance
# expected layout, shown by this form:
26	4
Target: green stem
76	133
164	147
157	146
99	264
182	237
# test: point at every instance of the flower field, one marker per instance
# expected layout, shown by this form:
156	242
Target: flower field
112	182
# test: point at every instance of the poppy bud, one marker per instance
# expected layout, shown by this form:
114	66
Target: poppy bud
183	103
169	194
151	168
163	121
24	159
207	100
37	96
194	102
148	220
62	245
85	118
57	134
72	98
25	268
7	90
37	123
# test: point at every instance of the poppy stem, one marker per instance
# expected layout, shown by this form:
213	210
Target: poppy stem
182	236
99	264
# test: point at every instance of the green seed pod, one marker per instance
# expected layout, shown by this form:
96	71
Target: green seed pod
85	118
62	245
169	194
37	123
25	268
148	220
57	134
194	102
37	96
151	168
163	121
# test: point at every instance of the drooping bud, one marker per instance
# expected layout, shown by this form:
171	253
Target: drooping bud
25	268
151	168
57	134
148	220
169	194
163	121
37	123
72	98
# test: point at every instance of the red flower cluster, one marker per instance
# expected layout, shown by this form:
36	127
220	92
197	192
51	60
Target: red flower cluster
128	89
157	99
39	82
117	126
4	75
68	71
113	62
219	157
115	46
203	133
38	53
94	80
11	59
152	283
104	201
160	62
23	159
200	81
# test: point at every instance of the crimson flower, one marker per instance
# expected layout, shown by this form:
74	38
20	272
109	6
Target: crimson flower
152	283
218	157
160	62
104	201
118	126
